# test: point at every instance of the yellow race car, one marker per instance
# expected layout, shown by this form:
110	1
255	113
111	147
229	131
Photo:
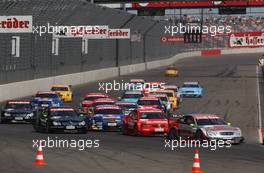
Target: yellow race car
171	71
64	91
170	94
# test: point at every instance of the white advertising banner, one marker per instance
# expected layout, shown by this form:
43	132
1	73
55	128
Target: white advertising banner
16	24
246	39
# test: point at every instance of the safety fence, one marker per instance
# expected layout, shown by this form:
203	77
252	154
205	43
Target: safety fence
36	54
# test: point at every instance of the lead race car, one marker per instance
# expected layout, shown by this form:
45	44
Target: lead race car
191	89
203	127
60	119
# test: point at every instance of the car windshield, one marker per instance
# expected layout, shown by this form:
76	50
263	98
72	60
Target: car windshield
108	111
47	95
215	121
103	103
63	113
164	99
148	102
18	106
190	86
92	98
128	106
59	89
126	96
151	115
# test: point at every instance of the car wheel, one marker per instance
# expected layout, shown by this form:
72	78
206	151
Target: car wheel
199	136
47	129
124	130
1	120
136	132
173	134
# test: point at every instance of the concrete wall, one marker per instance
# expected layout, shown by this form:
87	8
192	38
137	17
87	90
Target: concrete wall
30	87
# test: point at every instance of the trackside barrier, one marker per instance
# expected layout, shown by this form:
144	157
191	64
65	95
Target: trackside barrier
212	52
30	87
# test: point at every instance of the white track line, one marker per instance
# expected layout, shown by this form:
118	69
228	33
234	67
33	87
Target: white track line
259	107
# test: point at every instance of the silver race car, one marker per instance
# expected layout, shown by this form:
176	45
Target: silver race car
204	127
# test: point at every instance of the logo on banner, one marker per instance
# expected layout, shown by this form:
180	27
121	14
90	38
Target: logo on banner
246	39
16	24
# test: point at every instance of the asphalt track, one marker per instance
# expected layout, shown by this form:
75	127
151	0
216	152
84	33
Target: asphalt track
230	91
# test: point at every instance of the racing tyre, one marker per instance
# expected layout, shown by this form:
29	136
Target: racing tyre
1	120
173	134
136	132
124	130
47	129
199	136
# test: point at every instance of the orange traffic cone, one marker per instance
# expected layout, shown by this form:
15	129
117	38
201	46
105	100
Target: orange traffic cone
39	158
196	163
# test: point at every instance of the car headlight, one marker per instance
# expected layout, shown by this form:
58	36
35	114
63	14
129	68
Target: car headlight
211	133
238	133
56	123
82	123
30	115
7	114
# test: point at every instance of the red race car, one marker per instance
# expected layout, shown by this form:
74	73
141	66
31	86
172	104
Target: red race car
152	86
98	102
145	122
88	100
150	102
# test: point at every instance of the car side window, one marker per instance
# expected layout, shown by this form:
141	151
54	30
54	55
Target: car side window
189	120
183	120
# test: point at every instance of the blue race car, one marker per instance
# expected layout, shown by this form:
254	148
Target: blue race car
191	89
131	96
127	106
107	118
47	99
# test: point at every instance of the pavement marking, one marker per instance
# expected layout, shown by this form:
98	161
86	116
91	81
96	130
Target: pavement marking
259	106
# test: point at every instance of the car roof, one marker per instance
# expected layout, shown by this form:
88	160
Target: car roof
204	116
148	98
106	107
104	100
170	86
19	102
46	92
60	85
126	103
191	83
163	91
157	95
149	110
61	109
133	92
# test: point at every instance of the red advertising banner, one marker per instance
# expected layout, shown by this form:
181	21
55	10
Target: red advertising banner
246	39
199	4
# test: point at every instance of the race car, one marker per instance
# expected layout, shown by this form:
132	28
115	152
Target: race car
16	111
136	85
98	102
164	100
60	119
153	86
131	96
88	100
45	99
145	122
191	89
150	102
127	107
175	88
171	95
107	118
64	91
171	71
203	127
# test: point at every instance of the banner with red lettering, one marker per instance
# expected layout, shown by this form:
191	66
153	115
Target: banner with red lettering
246	39
16	24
